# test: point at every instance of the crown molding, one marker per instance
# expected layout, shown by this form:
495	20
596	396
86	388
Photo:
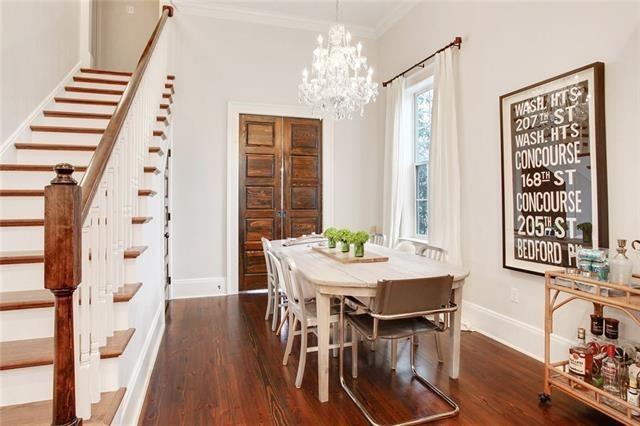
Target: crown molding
390	19
198	8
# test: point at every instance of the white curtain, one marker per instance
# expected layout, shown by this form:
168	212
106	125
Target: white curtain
444	176
397	160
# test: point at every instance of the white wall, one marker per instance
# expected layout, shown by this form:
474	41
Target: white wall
40	45
217	61
507	46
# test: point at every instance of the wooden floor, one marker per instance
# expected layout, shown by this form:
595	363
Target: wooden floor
220	364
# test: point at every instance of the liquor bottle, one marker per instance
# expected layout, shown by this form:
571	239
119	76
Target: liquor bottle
580	357
610	372
620	265
632	395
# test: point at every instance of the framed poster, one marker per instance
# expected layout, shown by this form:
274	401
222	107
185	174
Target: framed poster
554	176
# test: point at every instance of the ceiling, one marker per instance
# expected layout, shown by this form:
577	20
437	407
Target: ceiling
369	18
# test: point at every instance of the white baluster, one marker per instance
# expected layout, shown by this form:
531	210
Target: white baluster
84	372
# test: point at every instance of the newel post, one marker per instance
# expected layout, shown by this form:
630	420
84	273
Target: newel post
62	272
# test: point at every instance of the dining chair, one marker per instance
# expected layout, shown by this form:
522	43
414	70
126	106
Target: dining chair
432	252
400	311
406	246
377	238
276	298
301	311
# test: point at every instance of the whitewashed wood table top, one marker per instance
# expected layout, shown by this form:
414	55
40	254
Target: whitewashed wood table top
322	270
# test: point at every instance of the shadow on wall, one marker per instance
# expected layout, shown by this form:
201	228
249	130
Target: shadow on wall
120	31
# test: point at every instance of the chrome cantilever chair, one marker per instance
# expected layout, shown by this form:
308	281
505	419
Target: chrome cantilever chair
399	311
301	311
275	296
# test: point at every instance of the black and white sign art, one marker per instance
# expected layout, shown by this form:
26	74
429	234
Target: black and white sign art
554	176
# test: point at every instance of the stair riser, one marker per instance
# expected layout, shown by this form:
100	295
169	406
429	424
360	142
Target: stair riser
30	156
23	385
99	109
72	122
92	96
66	138
21	238
21	277
28	207
37	180
36	323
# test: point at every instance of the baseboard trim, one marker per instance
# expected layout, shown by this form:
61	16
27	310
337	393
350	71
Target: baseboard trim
511	332
133	400
188	288
24	126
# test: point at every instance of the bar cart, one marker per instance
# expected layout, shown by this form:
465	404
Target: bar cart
601	294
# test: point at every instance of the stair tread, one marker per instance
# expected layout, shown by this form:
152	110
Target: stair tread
40	192
134	252
100	71
97	80
64	100
34	352
67	147
49	168
21	256
39	413
8	223
171	77
76	114
84	89
43	298
67	129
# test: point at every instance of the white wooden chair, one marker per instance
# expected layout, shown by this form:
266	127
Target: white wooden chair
275	297
406	246
377	238
432	252
301	312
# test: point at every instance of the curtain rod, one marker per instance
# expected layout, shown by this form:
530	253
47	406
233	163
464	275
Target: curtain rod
456	42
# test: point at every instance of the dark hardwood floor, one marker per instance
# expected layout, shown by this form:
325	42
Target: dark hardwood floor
220	364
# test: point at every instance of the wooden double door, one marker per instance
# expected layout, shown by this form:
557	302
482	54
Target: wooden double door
280	187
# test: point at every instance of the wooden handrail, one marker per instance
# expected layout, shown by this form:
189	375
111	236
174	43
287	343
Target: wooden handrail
93	176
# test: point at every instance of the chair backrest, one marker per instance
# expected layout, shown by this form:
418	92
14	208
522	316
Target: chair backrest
407	247
432	252
377	238
406	297
266	248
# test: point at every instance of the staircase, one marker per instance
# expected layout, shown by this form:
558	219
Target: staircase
119	259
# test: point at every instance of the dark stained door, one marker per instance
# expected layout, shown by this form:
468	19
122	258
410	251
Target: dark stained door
280	188
302	189
259	197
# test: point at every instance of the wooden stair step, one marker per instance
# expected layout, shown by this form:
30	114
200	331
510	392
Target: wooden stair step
146	193
76	114
161	118
79	89
107	72
21	257
9	223
39	413
34	352
171	77
68	147
168	96
134	252
64	129
11	167
168	85
84	101
164	106
160	134
43	298
80	79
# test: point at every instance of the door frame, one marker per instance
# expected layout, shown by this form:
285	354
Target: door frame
234	110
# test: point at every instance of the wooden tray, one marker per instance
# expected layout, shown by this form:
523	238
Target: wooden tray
336	254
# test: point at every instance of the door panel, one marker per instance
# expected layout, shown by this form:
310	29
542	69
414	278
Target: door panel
302	176
260	194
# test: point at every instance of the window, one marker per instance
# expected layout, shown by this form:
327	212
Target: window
422	101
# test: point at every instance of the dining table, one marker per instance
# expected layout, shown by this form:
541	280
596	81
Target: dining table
324	277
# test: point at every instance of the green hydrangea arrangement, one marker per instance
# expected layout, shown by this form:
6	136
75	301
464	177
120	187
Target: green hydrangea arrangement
344	236
332	236
358	239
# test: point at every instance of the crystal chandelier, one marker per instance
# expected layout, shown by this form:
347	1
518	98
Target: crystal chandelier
340	81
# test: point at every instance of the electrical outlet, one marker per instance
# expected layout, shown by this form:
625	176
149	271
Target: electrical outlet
515	295
130	10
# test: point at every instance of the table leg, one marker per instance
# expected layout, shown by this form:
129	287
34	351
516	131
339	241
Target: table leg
323	303
454	335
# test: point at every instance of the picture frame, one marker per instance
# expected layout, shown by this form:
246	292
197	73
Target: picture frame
554	173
